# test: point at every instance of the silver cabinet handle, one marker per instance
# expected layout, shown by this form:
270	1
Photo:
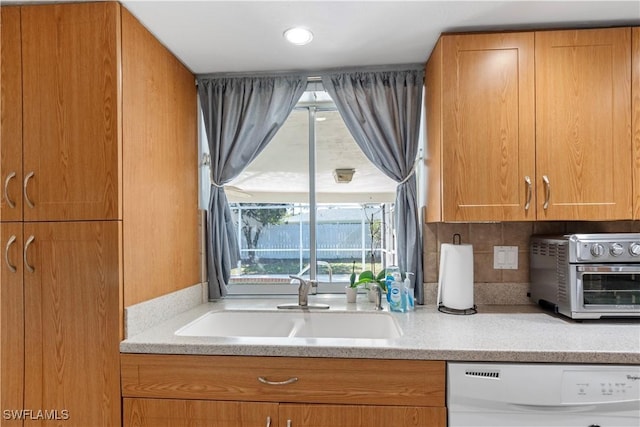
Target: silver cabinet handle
527	179
12	240
289	423
10	202
24	190
30	240
268	421
547	191
291	380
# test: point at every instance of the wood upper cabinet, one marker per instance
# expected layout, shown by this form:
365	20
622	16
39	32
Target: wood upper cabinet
10	114
71	290
481	136
583	122
635	91
71	139
519	130
11	321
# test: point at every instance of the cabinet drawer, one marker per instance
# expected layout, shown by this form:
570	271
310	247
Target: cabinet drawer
284	379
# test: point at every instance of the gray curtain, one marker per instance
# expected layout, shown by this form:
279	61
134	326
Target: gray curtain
241	115
382	111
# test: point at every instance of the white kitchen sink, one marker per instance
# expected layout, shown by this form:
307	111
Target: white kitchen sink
293	324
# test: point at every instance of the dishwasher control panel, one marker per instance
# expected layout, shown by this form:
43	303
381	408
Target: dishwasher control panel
581	386
542	394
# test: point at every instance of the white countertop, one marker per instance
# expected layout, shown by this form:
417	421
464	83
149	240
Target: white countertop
495	333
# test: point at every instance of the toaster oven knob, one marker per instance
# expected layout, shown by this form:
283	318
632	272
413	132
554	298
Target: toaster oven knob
634	249
616	249
597	250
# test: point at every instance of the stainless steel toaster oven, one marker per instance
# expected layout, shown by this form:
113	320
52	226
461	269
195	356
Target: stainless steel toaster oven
587	276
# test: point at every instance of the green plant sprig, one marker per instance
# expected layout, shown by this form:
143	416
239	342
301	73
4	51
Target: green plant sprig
367	277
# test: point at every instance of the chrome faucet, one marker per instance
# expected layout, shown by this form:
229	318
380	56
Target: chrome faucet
303	295
377	290
303	291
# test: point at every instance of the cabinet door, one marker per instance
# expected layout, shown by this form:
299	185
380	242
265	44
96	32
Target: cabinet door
293	415
72	282
10	115
583	122
70	113
11	324
488	127
635	91
198	413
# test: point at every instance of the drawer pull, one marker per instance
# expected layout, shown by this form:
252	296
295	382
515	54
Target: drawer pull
291	380
289	423
268	421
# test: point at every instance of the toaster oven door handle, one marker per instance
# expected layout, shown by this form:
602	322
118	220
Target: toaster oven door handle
616	268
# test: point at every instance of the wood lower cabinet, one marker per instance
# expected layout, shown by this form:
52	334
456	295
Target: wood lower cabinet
71	291
59	321
360	416
198	413
306	391
207	413
11	322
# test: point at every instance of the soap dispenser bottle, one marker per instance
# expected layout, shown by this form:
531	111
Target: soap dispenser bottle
395	294
408	294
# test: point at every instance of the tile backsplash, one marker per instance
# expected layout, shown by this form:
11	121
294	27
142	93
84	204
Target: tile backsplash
500	286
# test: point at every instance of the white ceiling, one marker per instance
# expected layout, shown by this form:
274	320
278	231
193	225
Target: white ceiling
239	36
212	36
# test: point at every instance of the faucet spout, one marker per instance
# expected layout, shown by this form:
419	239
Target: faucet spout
303	291
303	295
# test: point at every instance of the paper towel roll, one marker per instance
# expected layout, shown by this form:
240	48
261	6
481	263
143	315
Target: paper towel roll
455	281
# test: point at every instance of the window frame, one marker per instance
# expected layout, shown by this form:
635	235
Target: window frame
388	255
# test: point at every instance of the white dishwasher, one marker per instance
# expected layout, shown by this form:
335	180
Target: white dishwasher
549	395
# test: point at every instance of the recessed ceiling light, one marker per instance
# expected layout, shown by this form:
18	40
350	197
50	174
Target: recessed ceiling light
298	36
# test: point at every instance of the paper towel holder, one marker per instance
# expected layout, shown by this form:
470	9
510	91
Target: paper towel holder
447	310
456	240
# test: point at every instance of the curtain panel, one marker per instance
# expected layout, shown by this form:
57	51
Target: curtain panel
382	111
241	115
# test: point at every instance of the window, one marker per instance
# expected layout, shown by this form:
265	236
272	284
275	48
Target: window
293	217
